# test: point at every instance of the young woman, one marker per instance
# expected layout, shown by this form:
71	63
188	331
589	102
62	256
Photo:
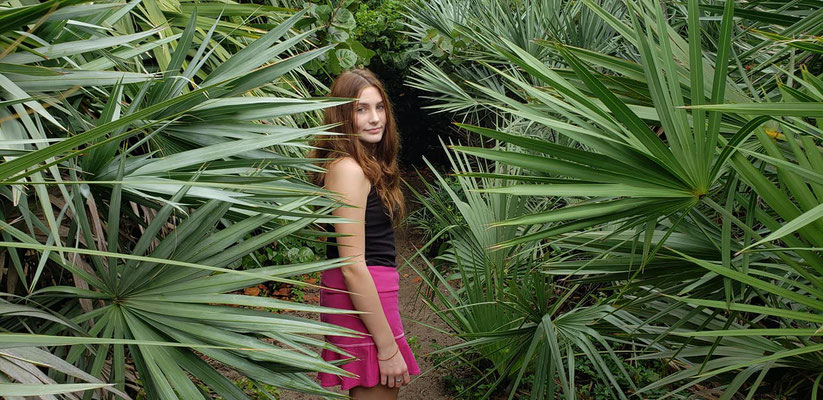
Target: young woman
363	170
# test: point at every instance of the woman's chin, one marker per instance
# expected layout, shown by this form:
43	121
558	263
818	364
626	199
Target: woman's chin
371	138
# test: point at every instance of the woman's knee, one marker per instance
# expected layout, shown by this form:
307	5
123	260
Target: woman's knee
379	392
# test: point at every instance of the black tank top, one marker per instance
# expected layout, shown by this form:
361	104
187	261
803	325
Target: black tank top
379	234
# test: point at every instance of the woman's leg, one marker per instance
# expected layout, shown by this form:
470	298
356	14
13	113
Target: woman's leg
379	392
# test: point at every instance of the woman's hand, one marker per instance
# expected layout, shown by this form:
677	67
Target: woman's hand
393	370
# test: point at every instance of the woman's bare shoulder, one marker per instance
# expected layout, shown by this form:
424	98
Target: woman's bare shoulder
344	172
345	164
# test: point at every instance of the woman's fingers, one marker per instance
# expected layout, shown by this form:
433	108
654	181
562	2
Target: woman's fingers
399	380
395	376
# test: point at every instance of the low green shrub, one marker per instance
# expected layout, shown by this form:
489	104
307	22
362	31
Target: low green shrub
422	219
335	26
464	377
358	31
380	28
289	250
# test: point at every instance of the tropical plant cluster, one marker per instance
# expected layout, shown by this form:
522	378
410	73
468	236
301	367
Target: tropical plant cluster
641	190
334	24
646	187
358	32
380	26
147	150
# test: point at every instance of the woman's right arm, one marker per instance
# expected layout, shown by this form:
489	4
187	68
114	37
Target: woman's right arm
345	177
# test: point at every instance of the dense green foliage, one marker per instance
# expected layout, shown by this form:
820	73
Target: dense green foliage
380	27
668	225
334	25
140	167
358	31
637	212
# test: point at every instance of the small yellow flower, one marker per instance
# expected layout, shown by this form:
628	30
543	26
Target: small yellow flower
774	134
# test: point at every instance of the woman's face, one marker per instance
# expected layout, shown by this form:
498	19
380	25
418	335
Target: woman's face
370	116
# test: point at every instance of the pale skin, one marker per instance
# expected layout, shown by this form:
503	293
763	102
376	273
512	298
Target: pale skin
346	177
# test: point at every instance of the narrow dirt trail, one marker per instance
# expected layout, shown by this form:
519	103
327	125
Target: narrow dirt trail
416	320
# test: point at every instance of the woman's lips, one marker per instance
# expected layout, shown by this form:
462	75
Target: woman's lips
374	131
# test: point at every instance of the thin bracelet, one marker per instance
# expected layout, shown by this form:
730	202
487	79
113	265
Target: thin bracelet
391	356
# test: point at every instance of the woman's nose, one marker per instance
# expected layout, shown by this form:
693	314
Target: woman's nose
374	116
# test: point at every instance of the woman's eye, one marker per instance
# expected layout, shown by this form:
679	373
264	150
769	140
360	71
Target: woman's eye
380	107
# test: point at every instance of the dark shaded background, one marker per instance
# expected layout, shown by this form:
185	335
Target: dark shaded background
419	128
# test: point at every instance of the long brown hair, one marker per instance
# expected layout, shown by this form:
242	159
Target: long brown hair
379	160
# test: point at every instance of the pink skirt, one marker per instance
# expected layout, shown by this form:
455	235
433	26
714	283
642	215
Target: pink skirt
362	348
